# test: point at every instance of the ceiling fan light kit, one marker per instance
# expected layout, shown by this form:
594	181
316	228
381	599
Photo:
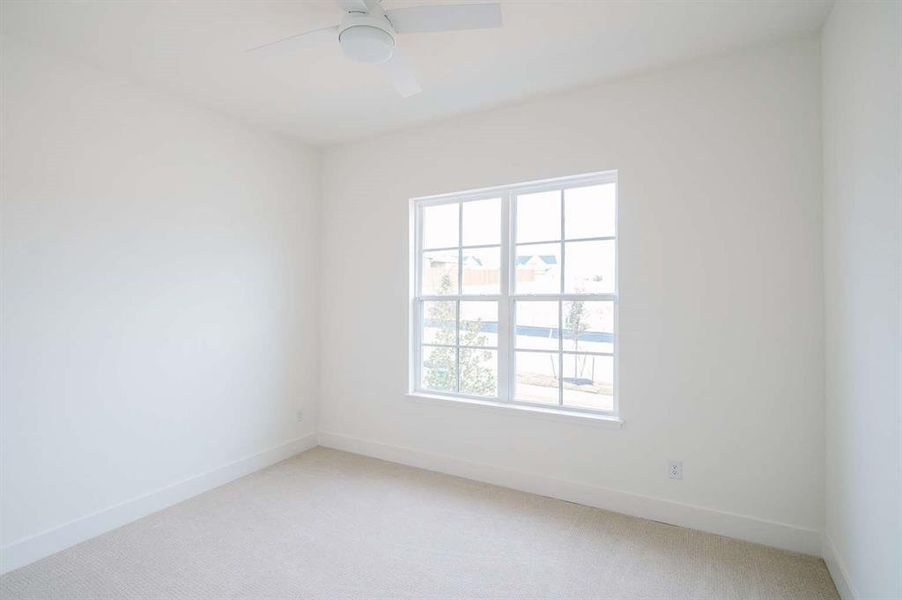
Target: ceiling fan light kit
366	39
367	34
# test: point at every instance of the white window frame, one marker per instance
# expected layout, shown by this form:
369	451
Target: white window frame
507	298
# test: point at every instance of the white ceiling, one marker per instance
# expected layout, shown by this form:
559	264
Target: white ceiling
195	48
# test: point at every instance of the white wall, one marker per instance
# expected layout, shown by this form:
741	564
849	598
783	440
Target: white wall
721	318
159	299
862	112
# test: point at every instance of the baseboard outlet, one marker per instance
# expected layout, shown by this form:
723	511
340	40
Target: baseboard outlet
752	529
838	571
27	550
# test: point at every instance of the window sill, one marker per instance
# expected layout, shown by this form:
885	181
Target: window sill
552	414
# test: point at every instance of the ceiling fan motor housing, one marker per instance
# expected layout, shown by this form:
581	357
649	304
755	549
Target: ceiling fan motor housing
366	38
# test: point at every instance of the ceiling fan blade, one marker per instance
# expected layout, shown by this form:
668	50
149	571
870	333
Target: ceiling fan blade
402	75
421	19
353	5
296	41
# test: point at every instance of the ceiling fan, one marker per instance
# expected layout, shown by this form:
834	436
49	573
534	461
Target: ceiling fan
367	34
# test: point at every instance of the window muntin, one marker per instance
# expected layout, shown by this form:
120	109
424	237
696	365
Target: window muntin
515	294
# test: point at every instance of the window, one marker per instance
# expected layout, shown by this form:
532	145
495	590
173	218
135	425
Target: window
515	294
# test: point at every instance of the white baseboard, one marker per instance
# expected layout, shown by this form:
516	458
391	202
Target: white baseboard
761	531
837	568
27	550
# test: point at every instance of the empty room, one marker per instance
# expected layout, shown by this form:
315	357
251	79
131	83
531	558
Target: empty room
438	299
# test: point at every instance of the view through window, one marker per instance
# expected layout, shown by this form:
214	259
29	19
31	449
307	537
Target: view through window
515	294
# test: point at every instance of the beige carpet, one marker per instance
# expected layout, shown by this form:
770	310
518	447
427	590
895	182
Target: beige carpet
328	524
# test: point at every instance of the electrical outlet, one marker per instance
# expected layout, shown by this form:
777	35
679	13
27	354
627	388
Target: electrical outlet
300	416
675	471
